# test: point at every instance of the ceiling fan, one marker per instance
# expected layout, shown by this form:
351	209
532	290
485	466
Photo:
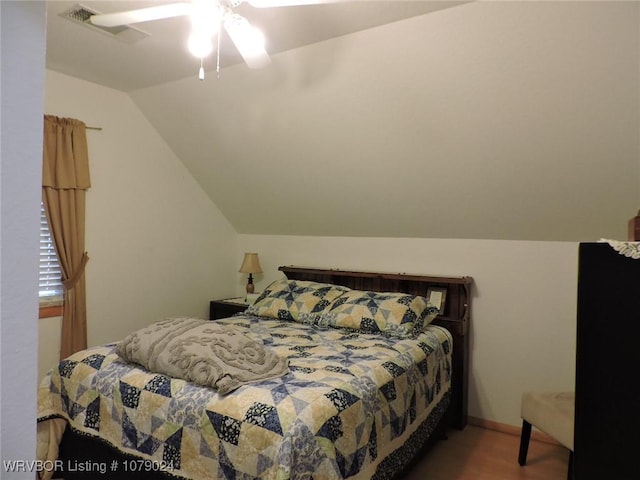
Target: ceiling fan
207	18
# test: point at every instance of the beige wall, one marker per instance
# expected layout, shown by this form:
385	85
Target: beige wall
524	302
502	120
157	244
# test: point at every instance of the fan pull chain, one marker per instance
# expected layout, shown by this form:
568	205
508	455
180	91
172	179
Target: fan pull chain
201	71
218	52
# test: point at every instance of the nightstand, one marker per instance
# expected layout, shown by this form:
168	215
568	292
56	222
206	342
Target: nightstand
226	307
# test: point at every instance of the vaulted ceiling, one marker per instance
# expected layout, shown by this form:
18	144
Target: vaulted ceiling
508	120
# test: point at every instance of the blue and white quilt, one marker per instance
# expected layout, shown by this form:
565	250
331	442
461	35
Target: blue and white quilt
348	402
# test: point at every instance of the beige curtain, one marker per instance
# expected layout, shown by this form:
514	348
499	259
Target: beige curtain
65	179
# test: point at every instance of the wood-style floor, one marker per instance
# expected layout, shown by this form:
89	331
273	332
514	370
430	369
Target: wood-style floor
477	453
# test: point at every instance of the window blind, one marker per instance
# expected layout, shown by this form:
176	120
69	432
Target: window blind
50	285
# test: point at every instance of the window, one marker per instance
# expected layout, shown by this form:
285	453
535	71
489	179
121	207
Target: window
50	285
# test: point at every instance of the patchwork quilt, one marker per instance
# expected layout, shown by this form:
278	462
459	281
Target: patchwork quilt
348	402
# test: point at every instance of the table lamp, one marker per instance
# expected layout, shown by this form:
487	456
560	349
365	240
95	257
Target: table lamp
250	265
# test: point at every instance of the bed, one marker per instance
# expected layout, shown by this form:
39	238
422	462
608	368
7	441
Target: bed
359	395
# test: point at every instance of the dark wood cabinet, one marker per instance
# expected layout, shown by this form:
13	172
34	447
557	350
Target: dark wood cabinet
607	416
226	308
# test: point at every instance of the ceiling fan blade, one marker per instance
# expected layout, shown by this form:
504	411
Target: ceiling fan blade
290	3
248	41
142	15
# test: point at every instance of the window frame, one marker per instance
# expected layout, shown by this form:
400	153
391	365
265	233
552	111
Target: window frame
49	305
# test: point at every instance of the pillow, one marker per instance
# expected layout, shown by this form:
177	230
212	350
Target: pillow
295	299
207	353
390	313
430	315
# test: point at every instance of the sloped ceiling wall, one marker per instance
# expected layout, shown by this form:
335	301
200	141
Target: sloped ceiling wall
488	120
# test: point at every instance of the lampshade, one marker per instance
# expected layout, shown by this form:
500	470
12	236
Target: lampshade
250	264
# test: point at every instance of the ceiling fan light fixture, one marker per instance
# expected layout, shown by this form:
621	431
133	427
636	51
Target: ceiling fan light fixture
199	45
248	40
206	17
252	42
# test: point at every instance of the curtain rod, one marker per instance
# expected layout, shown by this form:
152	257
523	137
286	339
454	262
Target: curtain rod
86	126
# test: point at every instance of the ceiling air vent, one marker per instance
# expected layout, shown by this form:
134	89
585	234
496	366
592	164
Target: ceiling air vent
82	15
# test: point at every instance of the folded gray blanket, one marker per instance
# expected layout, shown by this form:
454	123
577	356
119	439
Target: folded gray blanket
202	352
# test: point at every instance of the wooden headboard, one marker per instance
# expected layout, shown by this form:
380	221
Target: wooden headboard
455	317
